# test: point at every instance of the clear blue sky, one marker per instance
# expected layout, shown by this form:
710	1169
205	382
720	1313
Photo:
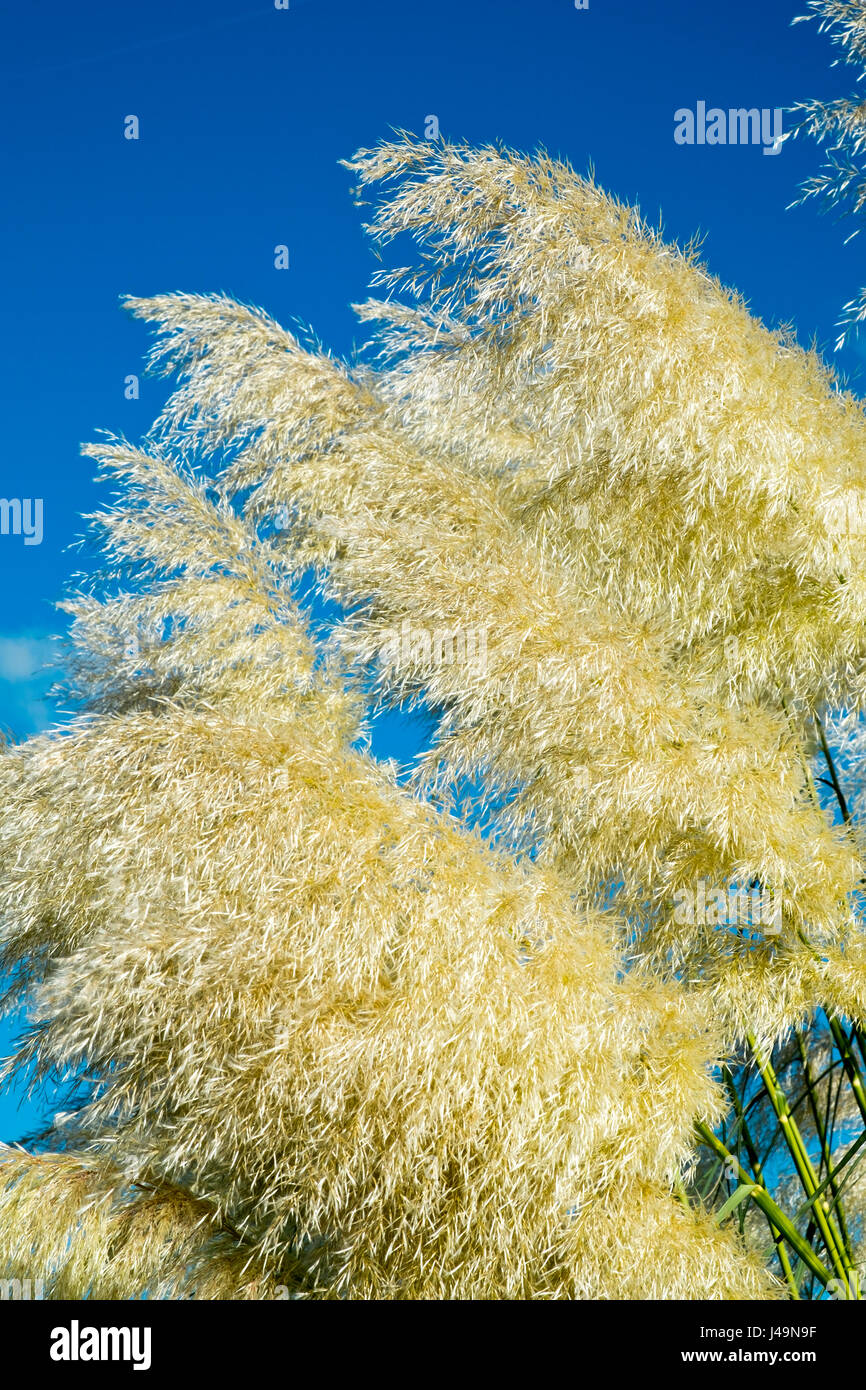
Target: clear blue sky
244	113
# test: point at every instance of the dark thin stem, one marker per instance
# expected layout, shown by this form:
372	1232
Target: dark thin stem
831	767
826	1155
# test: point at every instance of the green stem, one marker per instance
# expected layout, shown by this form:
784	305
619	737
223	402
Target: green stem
763	1200
758	1171
849	1062
851	1066
803	1164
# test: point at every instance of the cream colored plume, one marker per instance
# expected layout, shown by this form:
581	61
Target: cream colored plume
338	1043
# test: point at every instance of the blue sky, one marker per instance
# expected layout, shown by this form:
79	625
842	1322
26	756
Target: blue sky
244	113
